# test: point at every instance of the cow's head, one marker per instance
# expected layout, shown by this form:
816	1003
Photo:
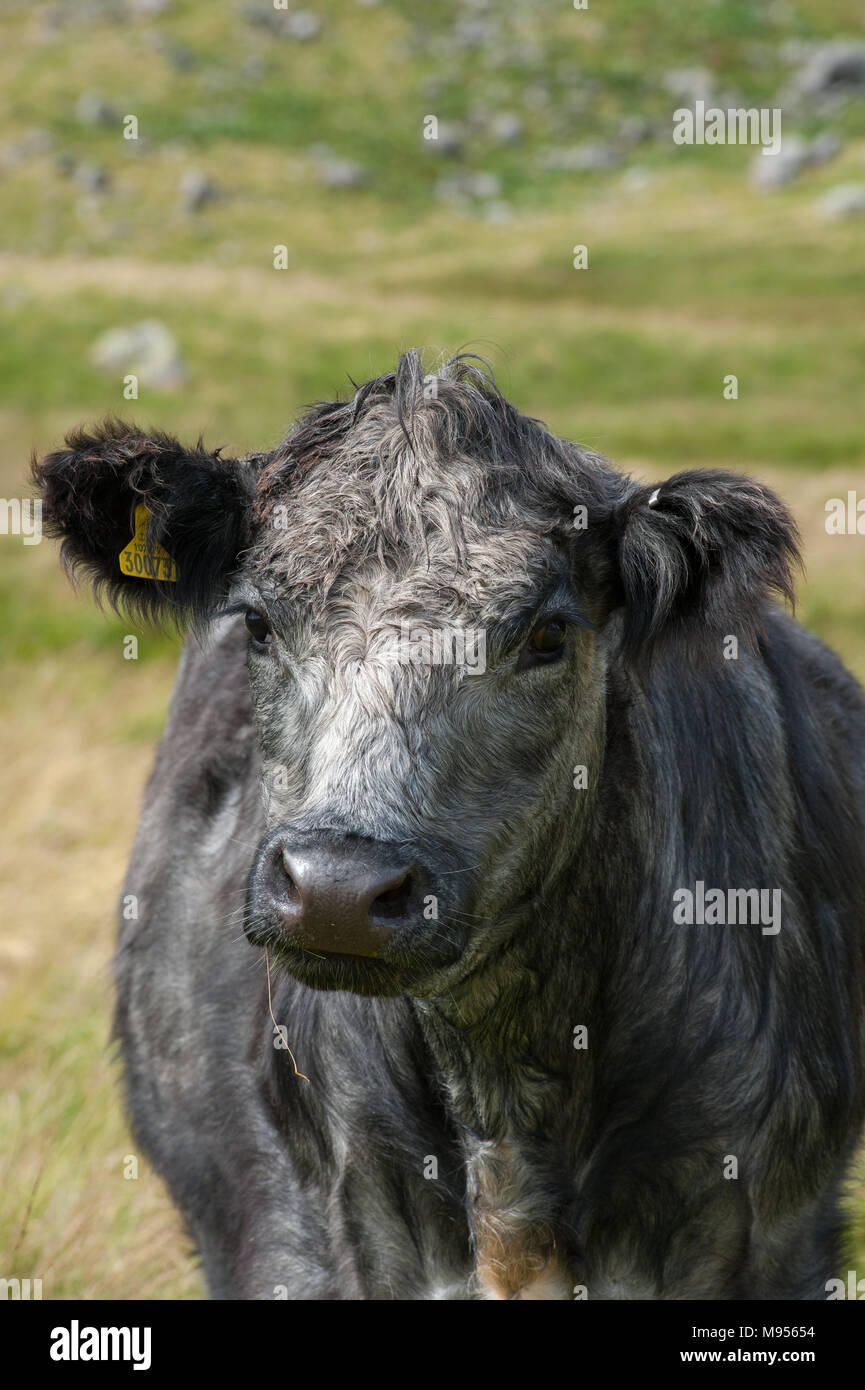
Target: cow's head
434	588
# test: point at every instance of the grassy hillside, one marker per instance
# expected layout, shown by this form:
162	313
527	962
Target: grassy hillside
312	139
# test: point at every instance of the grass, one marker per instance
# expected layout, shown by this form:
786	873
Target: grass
692	275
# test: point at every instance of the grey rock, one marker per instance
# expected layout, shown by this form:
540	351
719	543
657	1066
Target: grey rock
844	200
590	158
772	171
635	130
91	178
92	109
824	147
30	144
335	172
450	139
300	25
506	128
498	212
148	9
196	190
636	179
462	188
146	349
689	84
832	69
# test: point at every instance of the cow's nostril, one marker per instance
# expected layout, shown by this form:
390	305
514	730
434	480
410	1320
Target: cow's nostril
291	890
393	902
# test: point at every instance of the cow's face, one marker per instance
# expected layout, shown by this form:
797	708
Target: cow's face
425	677
426	601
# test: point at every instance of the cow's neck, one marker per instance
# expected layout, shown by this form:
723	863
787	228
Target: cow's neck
518	1089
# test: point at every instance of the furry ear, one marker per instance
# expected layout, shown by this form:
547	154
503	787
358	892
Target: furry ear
198	506
698	557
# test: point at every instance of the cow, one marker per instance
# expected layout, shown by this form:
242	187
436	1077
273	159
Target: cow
523	962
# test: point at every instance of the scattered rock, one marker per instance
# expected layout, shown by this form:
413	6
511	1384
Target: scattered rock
590	158
450	139
636	179
146	349
93	109
772	171
148	8
506	128
498	212
824	147
334	172
844	200
831	70
197	191
536	96
91	178
33	142
462	188
635	130
690	84
300	25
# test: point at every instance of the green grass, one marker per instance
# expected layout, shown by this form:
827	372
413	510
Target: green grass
691	278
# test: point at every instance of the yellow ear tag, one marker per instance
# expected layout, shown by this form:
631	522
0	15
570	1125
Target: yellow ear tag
135	560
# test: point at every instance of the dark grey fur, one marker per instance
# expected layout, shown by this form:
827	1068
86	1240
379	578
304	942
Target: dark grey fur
555	1168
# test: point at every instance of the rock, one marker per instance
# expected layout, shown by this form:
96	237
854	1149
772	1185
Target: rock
196	190
469	34
635	130
334	172
300	25
844	200
92	109
636	179
506	128
482	185
33	142
536	96
91	178
690	84
450	139
824	147
146	349
498	212
149	9
462	188
772	171
778	170
590	158
831	70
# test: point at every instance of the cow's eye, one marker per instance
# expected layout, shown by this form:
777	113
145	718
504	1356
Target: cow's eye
258	628
548	639
545	645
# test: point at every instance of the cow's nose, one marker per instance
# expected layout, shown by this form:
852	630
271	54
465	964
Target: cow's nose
342	901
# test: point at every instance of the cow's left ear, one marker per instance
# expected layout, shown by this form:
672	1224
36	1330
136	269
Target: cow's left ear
188	506
696	559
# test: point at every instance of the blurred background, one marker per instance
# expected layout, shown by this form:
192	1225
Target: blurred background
296	138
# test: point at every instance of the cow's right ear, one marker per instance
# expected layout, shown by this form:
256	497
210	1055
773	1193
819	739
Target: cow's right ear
197	507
